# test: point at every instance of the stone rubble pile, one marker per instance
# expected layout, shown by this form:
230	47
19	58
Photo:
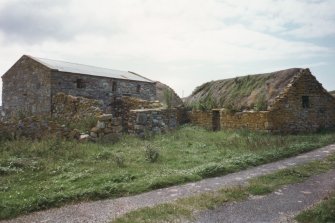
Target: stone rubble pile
107	127
69	107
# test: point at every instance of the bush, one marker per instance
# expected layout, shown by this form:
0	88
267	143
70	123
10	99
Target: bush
151	154
119	160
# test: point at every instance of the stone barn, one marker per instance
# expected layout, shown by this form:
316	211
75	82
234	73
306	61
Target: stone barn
284	101
30	84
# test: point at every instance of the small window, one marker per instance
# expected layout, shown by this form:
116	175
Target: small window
80	83
114	86
138	88
305	102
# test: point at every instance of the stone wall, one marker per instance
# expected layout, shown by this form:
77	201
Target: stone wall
304	106
100	88
26	88
226	120
107	127
71	108
201	118
36	128
152	121
256	121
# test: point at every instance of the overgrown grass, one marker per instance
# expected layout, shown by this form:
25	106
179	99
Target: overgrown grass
322	213
185	208
37	175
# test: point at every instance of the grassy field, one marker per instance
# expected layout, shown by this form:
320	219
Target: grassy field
36	175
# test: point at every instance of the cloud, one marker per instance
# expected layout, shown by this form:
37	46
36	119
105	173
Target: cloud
35	21
180	42
295	18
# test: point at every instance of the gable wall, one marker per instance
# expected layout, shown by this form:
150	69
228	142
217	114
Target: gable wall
288	114
26	88
100	88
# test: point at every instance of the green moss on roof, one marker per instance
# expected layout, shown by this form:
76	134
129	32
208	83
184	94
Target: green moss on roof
251	92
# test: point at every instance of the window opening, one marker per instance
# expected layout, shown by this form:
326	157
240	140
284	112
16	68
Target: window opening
80	83
138	88
114	85
305	102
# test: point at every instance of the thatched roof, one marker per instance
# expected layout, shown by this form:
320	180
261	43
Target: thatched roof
332	93
251	92
164	92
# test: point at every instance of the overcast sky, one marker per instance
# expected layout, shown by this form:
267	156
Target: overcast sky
182	43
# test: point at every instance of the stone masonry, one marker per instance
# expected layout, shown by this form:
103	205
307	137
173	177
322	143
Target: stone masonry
152	121
26	88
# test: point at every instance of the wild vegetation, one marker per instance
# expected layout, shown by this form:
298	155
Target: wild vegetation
186	207
40	174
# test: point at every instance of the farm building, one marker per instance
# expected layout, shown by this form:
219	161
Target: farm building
284	101
30	84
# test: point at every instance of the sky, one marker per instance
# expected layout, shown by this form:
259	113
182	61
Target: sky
182	43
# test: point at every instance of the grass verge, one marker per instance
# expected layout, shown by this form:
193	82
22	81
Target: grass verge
321	213
186	207
36	175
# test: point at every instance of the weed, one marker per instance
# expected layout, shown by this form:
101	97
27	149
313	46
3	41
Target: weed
151	154
119	160
168	97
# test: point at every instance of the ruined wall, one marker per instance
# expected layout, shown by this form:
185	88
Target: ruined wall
304	106
36	128
26	88
257	121
201	118
71	108
100	88
107	127
151	121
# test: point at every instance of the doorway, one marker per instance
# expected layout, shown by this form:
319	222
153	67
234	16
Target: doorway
216	120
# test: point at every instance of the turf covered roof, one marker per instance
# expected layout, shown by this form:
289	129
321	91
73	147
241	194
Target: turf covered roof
251	92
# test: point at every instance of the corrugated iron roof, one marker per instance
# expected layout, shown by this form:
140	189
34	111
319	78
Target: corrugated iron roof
90	70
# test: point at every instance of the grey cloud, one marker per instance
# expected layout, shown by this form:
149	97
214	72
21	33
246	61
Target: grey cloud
36	21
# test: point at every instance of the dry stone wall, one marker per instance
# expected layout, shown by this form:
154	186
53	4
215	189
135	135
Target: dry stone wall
201	118
107	127
258	121
71	108
36	128
152	121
